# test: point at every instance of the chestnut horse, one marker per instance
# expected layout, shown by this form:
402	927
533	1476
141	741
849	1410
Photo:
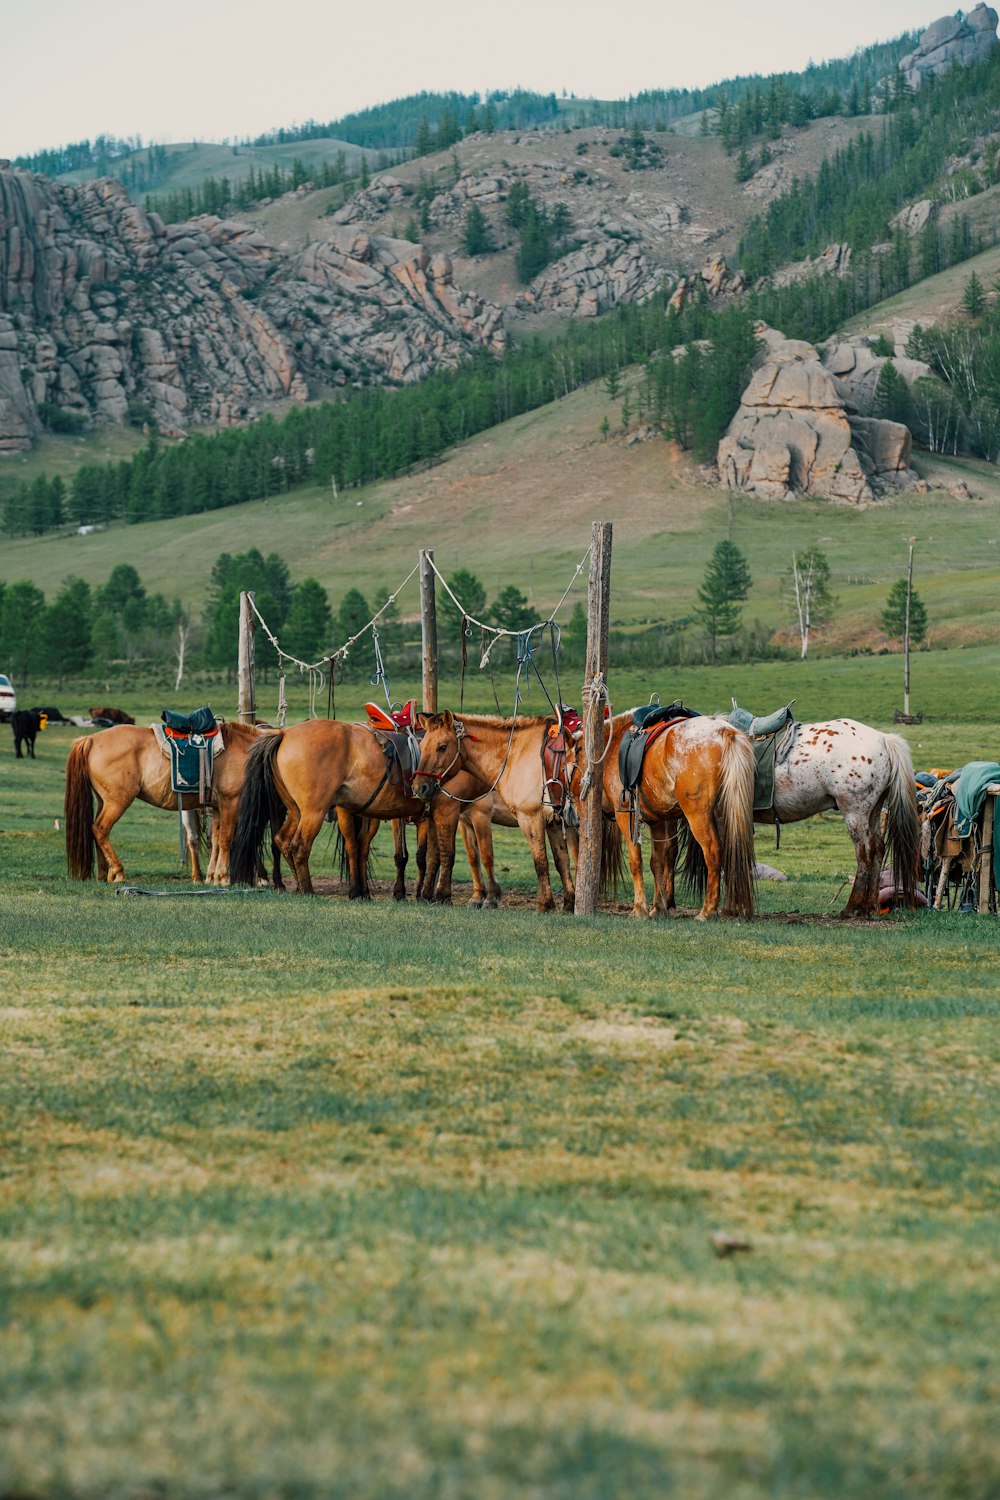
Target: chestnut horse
504	755
306	771
699	771
125	762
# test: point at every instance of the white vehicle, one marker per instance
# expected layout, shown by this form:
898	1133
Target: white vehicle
8	698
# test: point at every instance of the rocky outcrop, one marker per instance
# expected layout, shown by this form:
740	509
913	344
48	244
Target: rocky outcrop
951	41
714	278
794	434
105	313
593	280
856	368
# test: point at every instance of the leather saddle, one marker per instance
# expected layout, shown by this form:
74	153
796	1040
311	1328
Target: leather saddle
773	736
400	740
192	741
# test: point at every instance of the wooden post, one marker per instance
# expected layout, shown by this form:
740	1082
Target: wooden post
906	633
986	851
428	634
588	873
247	691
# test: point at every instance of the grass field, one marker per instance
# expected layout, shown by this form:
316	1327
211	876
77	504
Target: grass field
302	1198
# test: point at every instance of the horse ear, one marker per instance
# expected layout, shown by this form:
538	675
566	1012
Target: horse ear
422	721
447	718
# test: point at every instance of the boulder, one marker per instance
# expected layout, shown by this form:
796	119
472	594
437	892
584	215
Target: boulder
794	433
951	42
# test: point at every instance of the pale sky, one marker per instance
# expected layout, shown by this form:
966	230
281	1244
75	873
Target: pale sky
207	69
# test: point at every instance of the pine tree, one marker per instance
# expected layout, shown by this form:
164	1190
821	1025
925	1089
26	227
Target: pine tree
309	626
727	583
893	617
973	297
468	589
476	239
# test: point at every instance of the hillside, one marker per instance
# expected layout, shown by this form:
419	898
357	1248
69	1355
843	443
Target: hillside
515	506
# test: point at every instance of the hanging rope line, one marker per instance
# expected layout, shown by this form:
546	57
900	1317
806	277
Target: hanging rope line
499	632
322	672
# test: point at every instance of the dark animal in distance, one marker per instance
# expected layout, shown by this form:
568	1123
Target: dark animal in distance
113	715
54	715
25	722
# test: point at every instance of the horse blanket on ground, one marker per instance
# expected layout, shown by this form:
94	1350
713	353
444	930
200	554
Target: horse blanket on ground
773	737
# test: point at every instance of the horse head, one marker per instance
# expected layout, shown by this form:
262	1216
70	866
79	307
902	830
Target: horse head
440	752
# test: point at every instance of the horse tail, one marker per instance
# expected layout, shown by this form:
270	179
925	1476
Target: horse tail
259	804
78	810
902	831
612	858
734	812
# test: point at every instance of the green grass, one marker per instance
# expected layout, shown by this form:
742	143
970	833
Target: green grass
193	161
306	1198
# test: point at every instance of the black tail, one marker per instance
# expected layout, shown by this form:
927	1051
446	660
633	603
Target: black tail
259	806
612	859
691	859
361	825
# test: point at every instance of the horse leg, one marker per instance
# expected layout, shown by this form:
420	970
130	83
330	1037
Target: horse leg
432	860
445	826
357	835
470	839
640	906
482	825
401	856
422	827
662	856
560	853
298	837
109	866
703	829
864	827
533	828
192	837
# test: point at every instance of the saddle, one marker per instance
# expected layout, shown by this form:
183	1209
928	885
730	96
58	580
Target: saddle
648	723
773	736
400	742
191	743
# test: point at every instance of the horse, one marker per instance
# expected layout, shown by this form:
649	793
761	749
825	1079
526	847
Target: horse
125	762
504	755
868	777
697	778
26	724
300	774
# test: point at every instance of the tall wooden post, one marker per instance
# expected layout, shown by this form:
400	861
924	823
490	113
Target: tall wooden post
906	633
245	679
588	874
428	634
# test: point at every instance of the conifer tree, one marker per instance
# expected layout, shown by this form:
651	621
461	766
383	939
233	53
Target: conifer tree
727	582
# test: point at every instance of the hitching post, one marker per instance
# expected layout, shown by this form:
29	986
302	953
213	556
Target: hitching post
248	624
588	873
428	633
906	633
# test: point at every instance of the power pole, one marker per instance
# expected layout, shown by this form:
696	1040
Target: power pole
428	633
245	680
588	873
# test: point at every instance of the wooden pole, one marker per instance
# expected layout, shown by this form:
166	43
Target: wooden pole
428	633
906	633
245	678
986	851
588	873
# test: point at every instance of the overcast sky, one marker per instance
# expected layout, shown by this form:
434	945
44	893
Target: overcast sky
207	69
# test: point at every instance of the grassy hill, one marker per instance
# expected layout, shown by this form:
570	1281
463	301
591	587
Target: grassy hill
515	506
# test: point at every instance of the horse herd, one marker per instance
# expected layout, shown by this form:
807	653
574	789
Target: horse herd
694	797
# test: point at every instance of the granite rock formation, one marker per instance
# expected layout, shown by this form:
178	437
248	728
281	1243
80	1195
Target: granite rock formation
794	434
106	313
952	41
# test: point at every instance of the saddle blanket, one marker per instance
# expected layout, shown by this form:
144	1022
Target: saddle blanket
190	742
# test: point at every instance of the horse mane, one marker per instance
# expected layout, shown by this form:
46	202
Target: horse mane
504	721
243	731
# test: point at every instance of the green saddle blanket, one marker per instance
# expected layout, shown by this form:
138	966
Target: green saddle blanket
191	741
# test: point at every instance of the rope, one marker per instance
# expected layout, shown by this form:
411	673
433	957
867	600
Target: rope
596	690
498	632
330	659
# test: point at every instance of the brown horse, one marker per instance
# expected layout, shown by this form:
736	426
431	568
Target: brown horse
506	756
120	764
308	770
698	770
